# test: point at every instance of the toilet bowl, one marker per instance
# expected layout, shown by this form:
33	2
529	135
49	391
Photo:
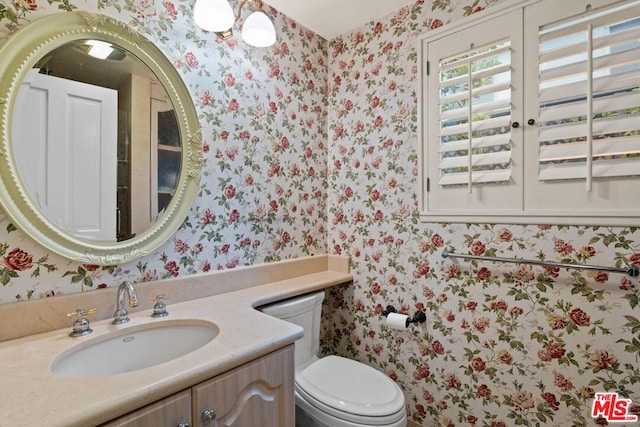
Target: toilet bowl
334	391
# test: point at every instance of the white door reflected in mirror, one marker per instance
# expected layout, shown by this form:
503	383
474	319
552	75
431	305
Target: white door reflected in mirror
65	145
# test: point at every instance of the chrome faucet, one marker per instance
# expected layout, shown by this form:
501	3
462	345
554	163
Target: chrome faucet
121	315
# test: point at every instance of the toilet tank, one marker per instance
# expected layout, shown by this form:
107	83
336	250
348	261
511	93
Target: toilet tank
303	311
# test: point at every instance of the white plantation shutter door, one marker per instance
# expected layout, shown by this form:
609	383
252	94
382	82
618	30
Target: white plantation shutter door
587	81
473	78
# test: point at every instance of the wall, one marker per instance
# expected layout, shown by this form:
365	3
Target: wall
503	344
263	114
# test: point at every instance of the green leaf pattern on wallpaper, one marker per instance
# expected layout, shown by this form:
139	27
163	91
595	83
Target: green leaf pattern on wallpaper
311	147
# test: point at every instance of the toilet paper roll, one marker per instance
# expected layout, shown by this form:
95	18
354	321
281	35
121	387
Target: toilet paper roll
397	320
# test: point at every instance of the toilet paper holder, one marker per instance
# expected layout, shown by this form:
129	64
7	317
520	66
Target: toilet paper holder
419	317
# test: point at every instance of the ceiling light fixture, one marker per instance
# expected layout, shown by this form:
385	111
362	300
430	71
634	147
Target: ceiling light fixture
217	16
99	49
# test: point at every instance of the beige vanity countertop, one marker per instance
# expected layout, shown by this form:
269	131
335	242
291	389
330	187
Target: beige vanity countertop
33	396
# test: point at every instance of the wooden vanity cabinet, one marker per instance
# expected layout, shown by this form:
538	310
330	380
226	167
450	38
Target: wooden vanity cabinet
170	411
259	393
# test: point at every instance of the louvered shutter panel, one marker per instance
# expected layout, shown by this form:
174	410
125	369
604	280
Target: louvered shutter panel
470	145
589	96
475	116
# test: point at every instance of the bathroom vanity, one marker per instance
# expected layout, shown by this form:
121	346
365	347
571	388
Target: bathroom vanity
259	393
245	373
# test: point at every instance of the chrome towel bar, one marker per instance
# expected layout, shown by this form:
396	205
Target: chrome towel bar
630	270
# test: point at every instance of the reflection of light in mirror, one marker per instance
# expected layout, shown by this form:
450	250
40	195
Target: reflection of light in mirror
99	49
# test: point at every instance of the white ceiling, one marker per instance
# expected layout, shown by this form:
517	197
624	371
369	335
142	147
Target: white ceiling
332	18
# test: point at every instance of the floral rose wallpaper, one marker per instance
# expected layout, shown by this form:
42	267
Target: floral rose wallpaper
263	115
311	147
503	344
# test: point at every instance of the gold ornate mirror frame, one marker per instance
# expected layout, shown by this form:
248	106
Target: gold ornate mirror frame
18	55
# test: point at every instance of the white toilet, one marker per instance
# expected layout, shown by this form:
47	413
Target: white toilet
334	391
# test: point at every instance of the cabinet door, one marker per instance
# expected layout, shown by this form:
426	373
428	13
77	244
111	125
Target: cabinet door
259	393
168	412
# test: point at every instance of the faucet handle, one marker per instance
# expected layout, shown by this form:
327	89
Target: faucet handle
81	325
159	307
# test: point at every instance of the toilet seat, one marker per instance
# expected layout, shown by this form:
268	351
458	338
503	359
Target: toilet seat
350	390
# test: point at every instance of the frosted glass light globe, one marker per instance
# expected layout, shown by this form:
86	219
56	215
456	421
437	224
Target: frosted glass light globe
213	15
258	30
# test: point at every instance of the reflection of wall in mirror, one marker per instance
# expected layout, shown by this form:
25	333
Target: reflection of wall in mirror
59	126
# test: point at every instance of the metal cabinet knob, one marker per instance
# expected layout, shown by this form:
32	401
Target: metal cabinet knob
184	424
531	122
208	416
515	125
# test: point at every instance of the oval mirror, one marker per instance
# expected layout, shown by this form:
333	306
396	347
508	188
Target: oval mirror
100	151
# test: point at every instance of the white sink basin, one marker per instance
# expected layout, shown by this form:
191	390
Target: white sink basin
133	348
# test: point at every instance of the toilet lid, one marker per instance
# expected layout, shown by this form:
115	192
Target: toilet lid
349	386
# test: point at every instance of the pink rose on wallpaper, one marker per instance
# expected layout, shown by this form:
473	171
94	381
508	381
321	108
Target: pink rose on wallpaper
579	317
229	80
524	273
587	251
562	382
478	248
481	324
478	364
499	306
555	350
172	268
451	381
18	260
452	272
601	277
436	23
191	59
553	271
437	240
206	98
207	217
230	191
551	399
234	216
505	235
483	391
523	400
337	49
233	105
505	357
274	71
348	192
483	274
421	373
421	270
601	359
561	247
180	247
171	9
556	322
